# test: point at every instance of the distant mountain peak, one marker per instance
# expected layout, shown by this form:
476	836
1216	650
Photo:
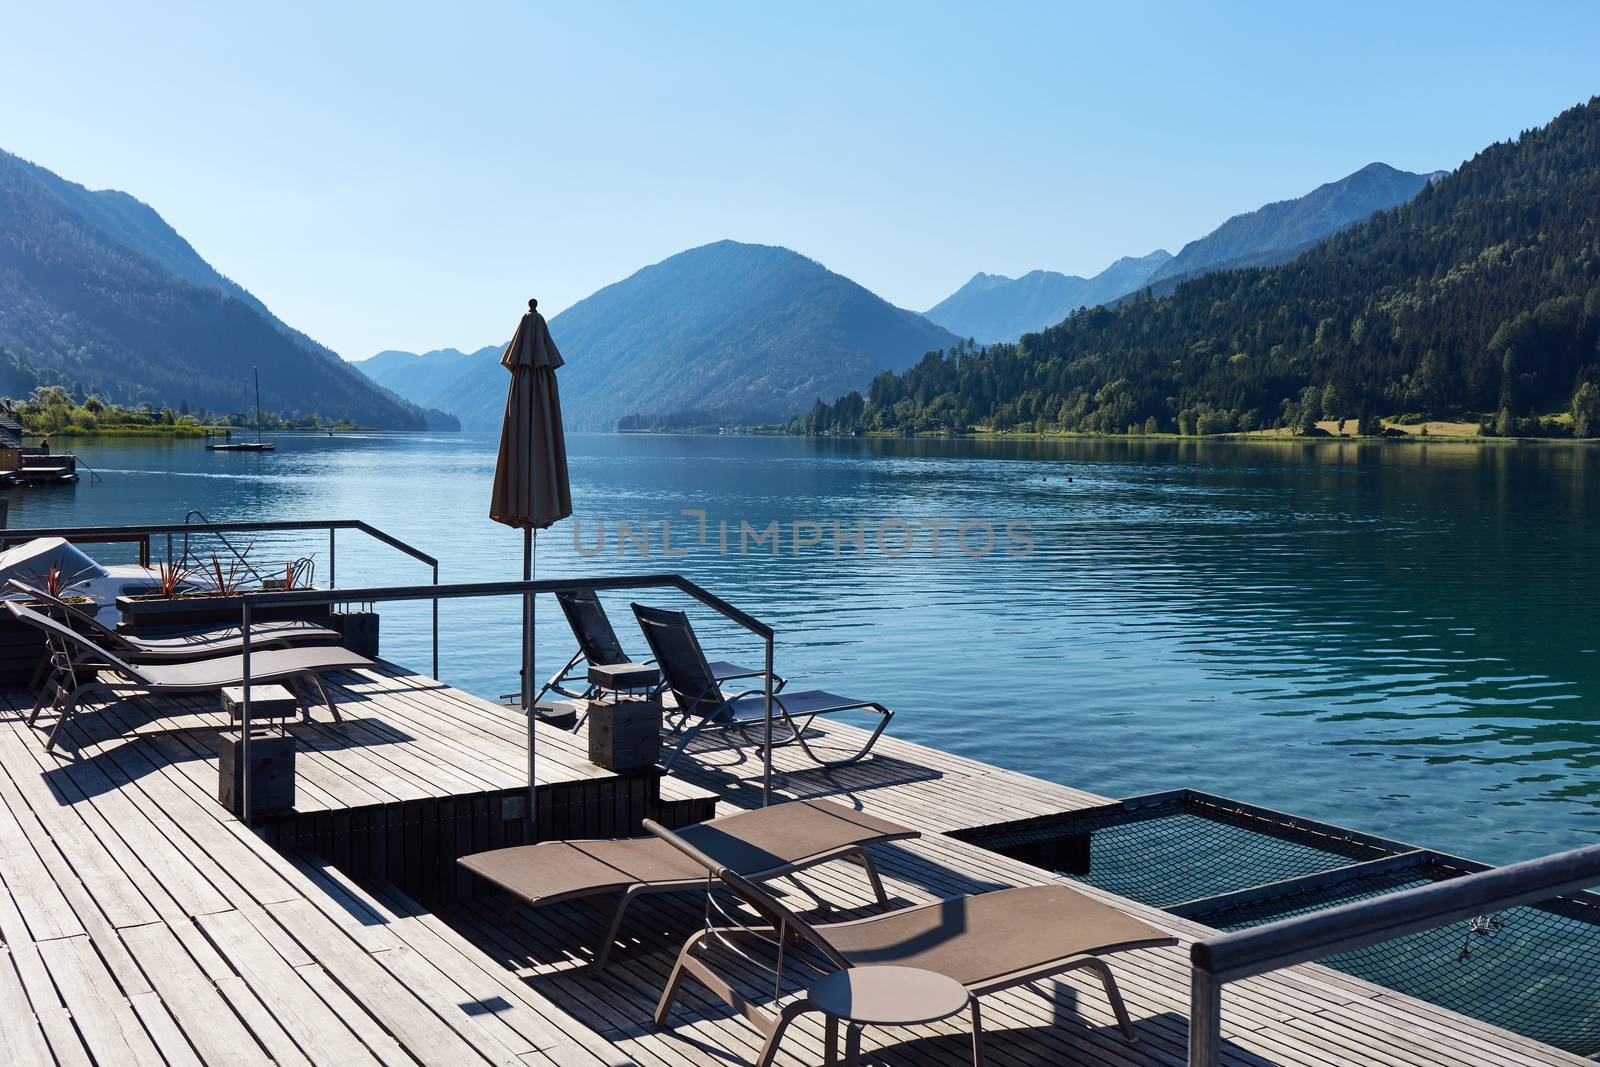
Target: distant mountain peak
742	332
993	307
1279	231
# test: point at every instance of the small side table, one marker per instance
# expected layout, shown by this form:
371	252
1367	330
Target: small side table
888	996
623	677
266	702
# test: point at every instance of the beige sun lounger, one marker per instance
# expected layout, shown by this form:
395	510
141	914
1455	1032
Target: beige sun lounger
985	941
200	676
762	844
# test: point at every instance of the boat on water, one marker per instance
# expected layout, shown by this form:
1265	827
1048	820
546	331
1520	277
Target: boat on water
243	446
258	445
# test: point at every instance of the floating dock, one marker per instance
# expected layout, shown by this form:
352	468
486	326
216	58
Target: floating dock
144	924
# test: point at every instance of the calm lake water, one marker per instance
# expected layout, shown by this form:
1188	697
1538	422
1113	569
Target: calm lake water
1396	638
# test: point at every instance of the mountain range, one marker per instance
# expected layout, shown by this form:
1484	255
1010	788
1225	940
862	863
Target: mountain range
1478	298
738	332
442	379
743	333
992	307
100	295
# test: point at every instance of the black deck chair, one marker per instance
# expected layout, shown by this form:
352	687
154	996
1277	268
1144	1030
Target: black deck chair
702	705
598	645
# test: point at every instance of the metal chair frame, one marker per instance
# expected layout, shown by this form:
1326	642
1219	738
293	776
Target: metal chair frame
700	700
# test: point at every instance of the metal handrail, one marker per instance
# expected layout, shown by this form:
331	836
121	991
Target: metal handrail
195	513
91	534
140	534
1245	953
466	590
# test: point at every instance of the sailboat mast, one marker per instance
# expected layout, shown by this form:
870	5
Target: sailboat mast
258	403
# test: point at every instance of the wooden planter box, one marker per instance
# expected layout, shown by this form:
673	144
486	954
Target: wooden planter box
154	614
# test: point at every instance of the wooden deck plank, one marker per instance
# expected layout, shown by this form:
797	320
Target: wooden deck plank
424	1013
187	939
191	994
110	1027
29	882
163	1029
393	921
316	1028
50	1014
22	1040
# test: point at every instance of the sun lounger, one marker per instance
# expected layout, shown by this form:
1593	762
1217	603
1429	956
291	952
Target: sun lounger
987	942
598	646
81	656
702	705
761	845
177	645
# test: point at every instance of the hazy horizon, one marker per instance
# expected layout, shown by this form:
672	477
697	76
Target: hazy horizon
386	178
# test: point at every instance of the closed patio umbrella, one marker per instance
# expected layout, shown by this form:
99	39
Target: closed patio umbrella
530	476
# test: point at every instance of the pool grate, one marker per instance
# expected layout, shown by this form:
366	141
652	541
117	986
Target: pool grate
1534	970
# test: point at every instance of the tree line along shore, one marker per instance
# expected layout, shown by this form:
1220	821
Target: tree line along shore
51	411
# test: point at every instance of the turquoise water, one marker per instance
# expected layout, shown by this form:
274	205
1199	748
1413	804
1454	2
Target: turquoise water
1395	638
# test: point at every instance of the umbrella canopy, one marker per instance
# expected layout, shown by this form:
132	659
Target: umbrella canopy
530	477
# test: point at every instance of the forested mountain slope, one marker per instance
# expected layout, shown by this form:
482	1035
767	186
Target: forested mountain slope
1277	232
1481	294
100	295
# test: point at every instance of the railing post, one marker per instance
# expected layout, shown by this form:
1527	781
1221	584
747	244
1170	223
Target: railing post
1205	1019
332	559
766	752
435	602
244	714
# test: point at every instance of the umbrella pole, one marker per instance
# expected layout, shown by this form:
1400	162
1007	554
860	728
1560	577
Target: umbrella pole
528	548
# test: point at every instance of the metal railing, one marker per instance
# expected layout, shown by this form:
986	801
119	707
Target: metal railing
197	517
251	602
140	535
1307	938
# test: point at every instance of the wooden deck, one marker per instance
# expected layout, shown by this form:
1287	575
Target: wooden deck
143	924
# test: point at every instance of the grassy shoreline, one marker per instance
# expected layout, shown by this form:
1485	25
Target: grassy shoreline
177	432
1398	435
120	431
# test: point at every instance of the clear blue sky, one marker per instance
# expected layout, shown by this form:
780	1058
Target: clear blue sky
399	176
